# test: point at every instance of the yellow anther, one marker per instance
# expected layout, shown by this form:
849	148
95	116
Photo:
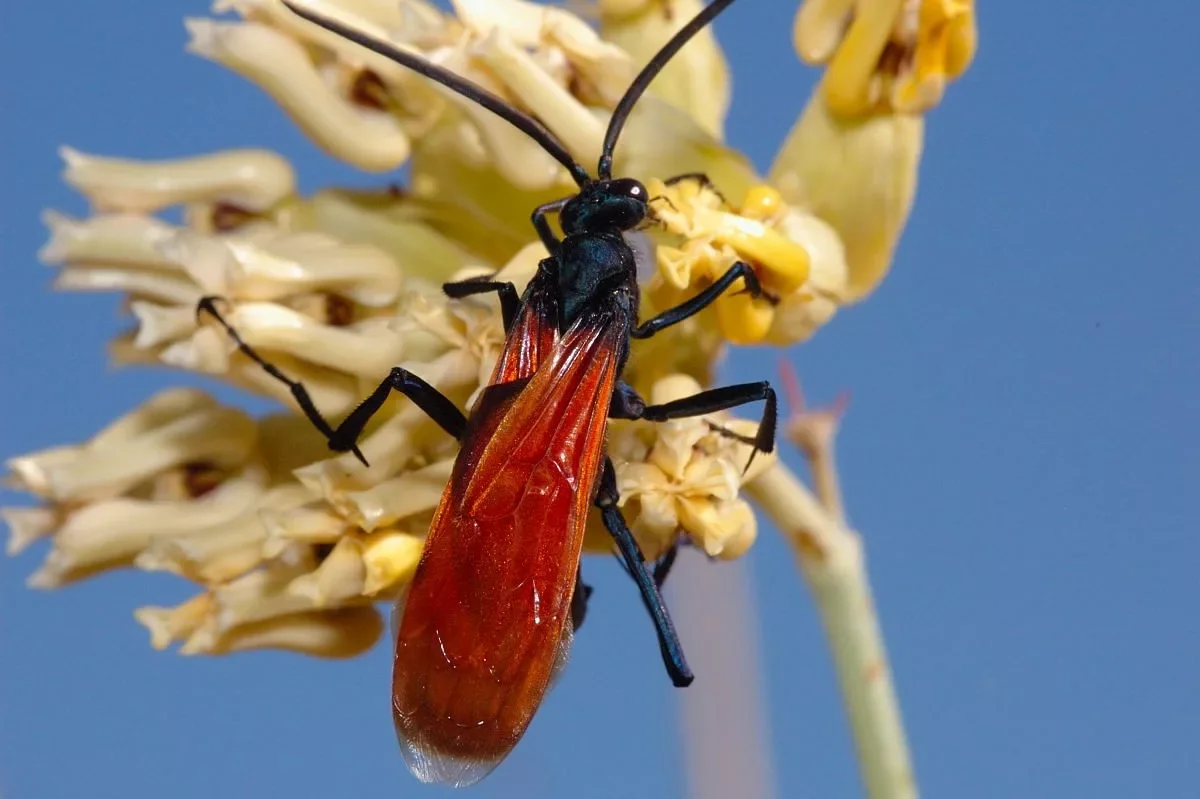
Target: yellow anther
945	45
893	55
744	319
783	264
763	203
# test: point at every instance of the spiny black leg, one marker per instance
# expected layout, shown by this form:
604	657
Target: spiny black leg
631	554
345	437
542	225
628	404
510	301
579	601
434	403
701	301
700	178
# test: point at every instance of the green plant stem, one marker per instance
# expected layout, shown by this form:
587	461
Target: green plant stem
831	560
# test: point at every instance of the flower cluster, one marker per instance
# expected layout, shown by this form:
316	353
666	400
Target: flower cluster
292	548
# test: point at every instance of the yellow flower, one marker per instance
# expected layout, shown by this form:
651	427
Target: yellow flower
886	55
852	157
799	261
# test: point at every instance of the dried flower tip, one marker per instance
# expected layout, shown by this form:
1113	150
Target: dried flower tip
886	55
251	179
26	525
812	430
168	625
368	138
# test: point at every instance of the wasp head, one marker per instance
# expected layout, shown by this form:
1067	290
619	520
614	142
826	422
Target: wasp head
618	204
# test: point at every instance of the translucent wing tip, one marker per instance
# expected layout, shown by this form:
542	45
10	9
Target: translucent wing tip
440	768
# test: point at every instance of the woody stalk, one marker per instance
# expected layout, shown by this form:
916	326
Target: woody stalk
294	549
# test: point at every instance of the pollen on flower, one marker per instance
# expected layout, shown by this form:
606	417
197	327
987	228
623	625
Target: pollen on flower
797	259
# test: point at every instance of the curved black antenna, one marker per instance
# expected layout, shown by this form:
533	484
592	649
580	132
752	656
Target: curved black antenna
456	83
644	78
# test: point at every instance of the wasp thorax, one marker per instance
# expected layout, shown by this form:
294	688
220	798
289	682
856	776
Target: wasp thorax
618	204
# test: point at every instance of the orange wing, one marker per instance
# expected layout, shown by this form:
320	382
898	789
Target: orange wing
487	616
533	334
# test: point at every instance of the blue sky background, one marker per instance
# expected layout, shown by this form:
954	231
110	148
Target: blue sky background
1019	453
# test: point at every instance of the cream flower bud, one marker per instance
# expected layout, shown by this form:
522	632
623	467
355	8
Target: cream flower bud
160	287
370	139
368	349
403	22
397	226
341	575
696	79
521	161
388	448
409	494
338	633
174	428
220	552
250	179
160	324
687	478
110	533
276	264
126	239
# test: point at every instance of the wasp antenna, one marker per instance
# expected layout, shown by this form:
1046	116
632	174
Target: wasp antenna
646	76
456	83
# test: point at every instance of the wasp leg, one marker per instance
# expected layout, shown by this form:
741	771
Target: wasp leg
627	404
579	601
700	178
701	301
344	438
510	301
631	554
542	225
662	569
